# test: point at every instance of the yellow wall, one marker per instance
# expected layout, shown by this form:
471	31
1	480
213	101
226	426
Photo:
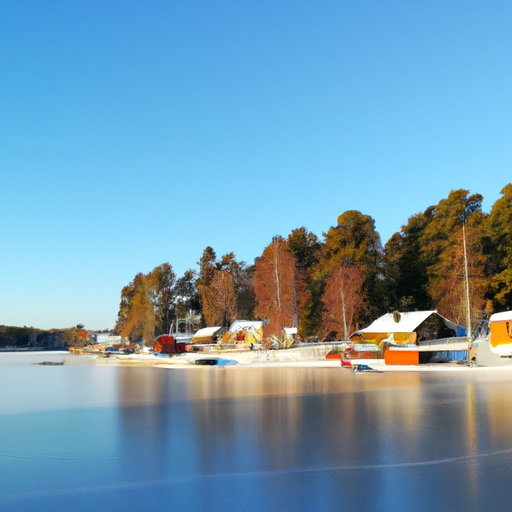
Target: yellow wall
398	337
499	333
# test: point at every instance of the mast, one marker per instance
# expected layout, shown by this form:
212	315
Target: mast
276	279
466	282
342	293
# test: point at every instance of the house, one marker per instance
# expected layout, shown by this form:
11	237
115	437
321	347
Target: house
406	328
105	338
435	338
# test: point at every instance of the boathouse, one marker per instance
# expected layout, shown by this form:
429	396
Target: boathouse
437	339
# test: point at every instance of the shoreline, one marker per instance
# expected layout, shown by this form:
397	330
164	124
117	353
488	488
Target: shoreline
244	360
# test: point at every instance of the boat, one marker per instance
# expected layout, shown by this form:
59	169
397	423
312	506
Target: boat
345	363
500	337
359	368
214	361
492	346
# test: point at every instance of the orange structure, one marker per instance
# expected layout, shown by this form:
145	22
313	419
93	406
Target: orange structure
402	356
501	333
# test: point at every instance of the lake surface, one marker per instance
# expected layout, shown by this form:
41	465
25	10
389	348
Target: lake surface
86	436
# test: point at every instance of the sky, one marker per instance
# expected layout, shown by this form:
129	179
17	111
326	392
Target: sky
134	133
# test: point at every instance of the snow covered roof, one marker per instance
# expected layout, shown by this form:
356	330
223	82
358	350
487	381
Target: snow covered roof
409	322
241	325
206	332
500	317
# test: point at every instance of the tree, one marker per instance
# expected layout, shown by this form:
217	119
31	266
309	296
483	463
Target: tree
207	269
242	282
498	248
353	242
450	295
445	225
424	263
213	277
75	337
343	298
244	290
223	292
307	250
441	248
162	286
277	288
405	268
136	318
188	299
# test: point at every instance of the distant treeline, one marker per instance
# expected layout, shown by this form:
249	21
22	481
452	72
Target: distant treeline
330	287
32	337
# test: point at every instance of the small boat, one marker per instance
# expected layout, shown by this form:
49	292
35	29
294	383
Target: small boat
51	363
364	368
214	361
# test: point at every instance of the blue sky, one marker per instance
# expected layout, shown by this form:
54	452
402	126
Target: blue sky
136	133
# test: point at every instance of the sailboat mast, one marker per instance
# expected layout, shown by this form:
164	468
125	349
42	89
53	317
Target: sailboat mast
342	293
276	278
466	281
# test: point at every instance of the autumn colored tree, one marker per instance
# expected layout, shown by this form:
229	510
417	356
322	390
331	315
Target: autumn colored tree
450	296
343	298
207	270
441	246
136	318
127	295
242	276
498	247
224	299
151	303
424	263
277	288
75	337
444	226
353	242
213	277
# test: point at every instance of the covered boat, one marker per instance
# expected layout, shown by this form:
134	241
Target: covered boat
166	344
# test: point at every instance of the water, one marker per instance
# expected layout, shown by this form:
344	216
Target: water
87	437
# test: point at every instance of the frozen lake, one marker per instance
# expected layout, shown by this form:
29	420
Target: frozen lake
86	436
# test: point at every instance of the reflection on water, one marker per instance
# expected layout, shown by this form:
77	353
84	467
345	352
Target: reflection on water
118	438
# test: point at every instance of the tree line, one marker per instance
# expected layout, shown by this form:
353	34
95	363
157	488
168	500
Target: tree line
332	286
30	337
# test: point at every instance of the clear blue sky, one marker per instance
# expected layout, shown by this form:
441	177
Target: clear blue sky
135	133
